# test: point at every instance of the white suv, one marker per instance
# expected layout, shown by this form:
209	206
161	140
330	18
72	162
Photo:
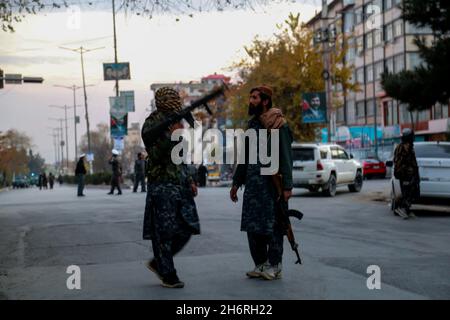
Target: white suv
325	166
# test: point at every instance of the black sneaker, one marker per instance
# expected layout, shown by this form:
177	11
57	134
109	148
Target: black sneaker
151	265
172	281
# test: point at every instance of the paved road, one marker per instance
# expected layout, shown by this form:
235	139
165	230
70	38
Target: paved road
43	232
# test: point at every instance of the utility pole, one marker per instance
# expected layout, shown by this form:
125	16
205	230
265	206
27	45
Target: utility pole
74	88
115	43
325	39
61	137
81	51
65	107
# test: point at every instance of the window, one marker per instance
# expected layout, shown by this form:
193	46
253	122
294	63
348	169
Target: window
414	29
369	73
303	154
349	22
340	114
360	75
350	111
395	112
379	68
377	37
388	33
413	60
369	40
360	112
358	16
359	45
370	107
343	155
389	65
399	63
351	52
323	153
387	4
398	28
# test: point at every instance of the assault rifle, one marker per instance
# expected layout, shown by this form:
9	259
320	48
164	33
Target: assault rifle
283	215
186	112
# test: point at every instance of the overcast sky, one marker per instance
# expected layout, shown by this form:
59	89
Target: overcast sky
159	50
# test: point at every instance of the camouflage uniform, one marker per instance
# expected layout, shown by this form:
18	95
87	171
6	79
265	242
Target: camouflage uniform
407	171
265	237
170	214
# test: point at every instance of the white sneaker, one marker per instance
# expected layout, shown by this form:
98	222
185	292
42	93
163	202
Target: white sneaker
272	272
257	272
402	213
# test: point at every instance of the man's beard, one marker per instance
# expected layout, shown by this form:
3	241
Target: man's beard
255	110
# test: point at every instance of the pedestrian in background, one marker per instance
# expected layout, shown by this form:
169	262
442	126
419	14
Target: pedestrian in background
80	172
44	180
116	172
202	174
139	173
51	180
407	171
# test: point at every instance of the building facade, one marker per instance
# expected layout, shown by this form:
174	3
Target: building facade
379	39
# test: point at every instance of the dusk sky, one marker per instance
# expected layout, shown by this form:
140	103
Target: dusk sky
158	50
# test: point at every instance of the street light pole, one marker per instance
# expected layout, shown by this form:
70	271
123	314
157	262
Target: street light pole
81	50
74	88
324	31
115	43
61	141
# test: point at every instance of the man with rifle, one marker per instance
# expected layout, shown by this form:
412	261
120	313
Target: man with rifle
170	213
264	211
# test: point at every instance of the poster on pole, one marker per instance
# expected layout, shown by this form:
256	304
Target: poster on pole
314	107
119	143
116	71
129	100
118	106
119	126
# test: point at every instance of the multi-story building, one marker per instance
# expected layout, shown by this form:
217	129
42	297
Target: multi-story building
379	39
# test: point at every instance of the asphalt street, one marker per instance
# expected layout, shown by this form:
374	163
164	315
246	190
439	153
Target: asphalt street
44	232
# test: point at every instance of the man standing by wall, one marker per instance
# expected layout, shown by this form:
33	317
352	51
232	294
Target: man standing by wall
265	236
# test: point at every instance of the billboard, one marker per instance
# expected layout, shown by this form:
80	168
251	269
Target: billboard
116	71
314	107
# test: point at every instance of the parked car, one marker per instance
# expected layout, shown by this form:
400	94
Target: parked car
20	182
325	167
433	159
373	168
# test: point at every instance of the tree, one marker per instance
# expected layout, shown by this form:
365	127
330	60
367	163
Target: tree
13	155
427	84
36	163
14	11
291	65
101	147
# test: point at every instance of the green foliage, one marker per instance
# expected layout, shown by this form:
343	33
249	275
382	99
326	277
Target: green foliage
427	84
291	65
